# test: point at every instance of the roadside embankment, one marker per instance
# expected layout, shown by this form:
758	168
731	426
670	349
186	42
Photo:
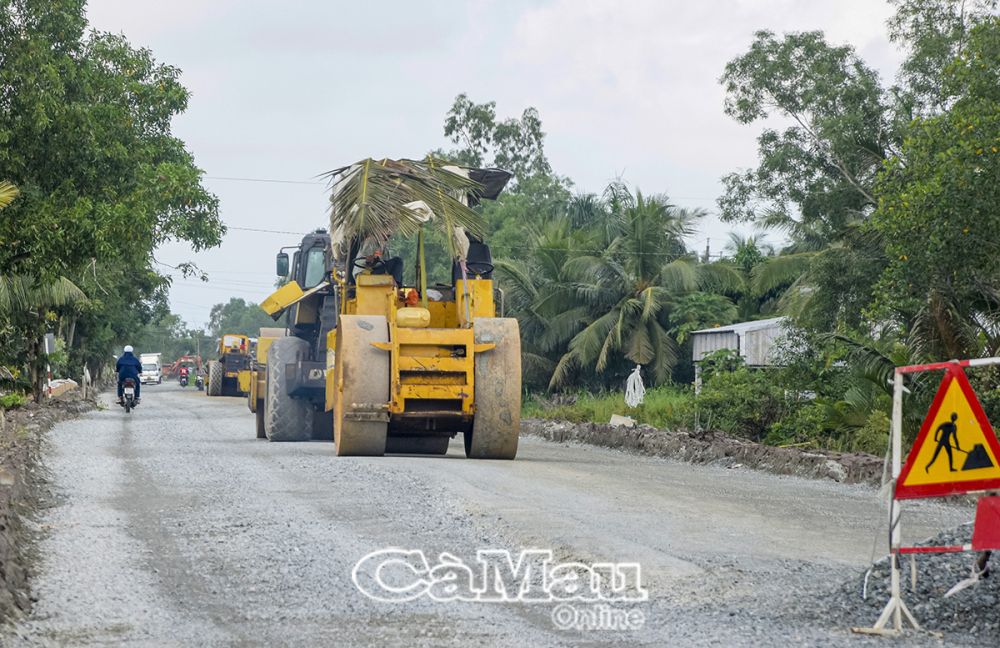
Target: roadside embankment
21	438
714	448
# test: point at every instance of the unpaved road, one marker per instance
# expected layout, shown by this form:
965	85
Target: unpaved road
174	526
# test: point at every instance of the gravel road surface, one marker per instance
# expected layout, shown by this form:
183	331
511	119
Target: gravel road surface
175	526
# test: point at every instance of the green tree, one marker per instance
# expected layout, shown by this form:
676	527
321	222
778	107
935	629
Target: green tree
238	316
85	129
516	144
939	212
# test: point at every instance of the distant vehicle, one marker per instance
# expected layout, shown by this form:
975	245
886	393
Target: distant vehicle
152	371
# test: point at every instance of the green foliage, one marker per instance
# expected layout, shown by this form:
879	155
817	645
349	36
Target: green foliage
85	134
700	310
514	144
803	425
238	316
939	211
721	361
12	400
873	436
662	407
743	403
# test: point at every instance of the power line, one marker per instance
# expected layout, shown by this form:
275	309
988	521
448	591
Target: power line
264	231
268	180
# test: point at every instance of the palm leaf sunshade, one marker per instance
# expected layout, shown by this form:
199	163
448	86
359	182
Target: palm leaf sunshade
373	199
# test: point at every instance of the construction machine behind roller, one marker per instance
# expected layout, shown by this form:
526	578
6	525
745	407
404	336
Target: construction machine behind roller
230	374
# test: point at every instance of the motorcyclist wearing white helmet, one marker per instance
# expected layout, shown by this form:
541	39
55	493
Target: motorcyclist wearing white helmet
128	366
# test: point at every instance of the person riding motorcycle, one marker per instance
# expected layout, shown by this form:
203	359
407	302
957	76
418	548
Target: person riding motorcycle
128	366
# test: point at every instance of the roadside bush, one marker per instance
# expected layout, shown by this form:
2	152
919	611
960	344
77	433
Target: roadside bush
12	400
805	424
873	437
741	403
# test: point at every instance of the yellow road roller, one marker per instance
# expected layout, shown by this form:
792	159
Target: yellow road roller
384	363
230	374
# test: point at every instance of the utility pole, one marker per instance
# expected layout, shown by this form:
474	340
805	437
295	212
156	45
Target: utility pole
708	251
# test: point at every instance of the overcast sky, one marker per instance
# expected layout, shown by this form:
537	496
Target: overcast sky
286	91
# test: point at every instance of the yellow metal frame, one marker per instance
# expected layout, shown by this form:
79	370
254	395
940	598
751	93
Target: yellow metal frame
426	364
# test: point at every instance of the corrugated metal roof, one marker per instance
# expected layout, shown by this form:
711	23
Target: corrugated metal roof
754	340
743	327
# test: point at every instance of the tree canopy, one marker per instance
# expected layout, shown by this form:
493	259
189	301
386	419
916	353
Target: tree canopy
85	135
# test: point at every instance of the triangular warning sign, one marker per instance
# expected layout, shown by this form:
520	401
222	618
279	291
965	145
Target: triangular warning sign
956	450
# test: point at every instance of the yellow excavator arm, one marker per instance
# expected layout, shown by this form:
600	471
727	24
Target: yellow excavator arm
286	296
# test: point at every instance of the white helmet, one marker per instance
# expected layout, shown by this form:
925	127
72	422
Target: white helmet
128	348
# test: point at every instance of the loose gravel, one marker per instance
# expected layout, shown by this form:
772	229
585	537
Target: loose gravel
176	526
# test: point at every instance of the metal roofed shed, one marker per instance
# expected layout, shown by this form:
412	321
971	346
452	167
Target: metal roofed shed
754	341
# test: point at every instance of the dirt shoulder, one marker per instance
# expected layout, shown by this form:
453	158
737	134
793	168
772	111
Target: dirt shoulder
21	439
715	449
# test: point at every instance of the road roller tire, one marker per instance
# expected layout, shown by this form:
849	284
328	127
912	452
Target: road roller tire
417	445
214	385
497	421
285	418
362	378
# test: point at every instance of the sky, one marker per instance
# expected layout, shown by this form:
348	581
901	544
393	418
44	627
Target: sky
286	91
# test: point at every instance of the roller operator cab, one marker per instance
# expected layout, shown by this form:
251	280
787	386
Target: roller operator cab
380	362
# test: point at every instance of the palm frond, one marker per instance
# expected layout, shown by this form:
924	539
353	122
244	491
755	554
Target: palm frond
680	275
640	346
721	277
780	271
8	192
515	277
666	352
22	293
374	199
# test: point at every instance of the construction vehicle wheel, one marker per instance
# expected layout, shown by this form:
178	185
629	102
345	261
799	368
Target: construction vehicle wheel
497	420
214	387
285	418
362	383
417	445
259	415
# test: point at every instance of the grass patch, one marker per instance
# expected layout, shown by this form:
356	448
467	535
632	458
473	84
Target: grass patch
663	407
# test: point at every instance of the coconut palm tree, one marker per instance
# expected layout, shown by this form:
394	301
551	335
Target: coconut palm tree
598	299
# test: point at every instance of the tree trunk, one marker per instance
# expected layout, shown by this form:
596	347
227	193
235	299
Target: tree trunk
70	333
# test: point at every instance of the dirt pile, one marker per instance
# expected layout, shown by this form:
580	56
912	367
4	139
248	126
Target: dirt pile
20	472
713	448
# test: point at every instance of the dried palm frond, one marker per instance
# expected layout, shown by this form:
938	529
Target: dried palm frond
373	199
8	192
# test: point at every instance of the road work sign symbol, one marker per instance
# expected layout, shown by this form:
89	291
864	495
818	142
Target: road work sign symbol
956	449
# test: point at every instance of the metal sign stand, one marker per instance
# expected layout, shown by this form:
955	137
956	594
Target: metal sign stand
896	609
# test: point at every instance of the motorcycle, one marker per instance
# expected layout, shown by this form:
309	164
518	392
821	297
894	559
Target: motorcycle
128	395
184	380
199	382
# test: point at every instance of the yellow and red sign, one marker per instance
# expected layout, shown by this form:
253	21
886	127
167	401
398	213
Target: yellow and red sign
956	450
